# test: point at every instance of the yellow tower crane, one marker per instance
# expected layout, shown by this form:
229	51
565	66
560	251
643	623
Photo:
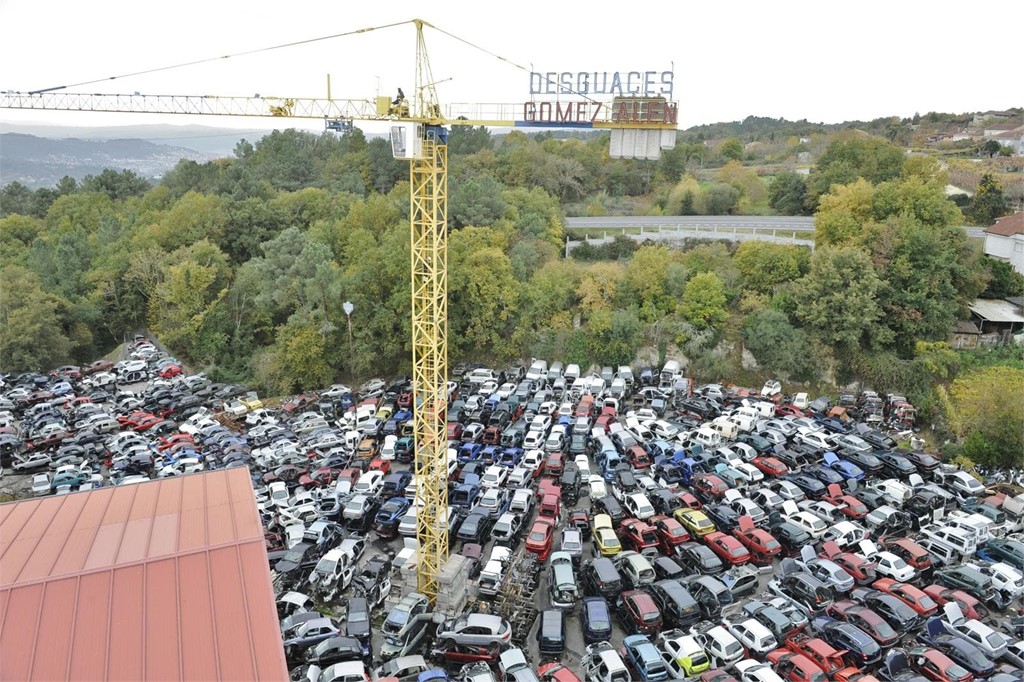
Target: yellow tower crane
636	107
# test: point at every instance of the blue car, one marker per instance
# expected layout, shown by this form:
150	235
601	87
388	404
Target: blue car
644	659
469	452
511	457
861	646
491	454
596	619
848	470
392	511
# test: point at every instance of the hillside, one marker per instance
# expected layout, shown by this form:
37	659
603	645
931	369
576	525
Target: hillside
42	162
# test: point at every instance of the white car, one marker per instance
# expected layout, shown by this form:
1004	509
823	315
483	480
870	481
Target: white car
370	483
638	506
753	635
808	522
891	566
41	485
533	459
505	390
754	671
387	451
988	640
356	507
494	477
1004	577
534	440
815	439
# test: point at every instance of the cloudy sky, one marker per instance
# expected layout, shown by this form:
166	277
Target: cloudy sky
816	60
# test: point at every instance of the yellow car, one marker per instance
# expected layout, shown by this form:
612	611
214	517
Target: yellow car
385	411
252	401
606	542
695	522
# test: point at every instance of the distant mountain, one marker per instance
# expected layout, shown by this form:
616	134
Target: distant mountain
42	162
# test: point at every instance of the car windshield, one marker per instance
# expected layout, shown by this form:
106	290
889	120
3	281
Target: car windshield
677	531
537	536
772	544
732	648
995	640
356	617
737	551
898	563
703	523
326	565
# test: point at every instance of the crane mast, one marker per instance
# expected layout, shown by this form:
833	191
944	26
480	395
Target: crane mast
640	127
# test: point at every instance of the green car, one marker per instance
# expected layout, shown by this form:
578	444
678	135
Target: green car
1005	550
968	579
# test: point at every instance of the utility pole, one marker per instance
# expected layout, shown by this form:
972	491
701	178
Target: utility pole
348	307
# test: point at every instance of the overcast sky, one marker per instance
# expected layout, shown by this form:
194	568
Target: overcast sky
821	61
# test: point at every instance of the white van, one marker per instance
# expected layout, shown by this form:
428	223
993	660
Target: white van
572	373
538	370
726	427
709	438
953	537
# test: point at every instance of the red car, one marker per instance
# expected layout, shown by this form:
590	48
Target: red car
860	569
351	475
492	436
170	371
761	544
935	665
129	420
638	613
557	672
710	485
795	667
788	410
908	550
381	465
637	535
604	421
541	536
146	423
638	457
404	401
866	619
459	654
547	487
688	500
553	464
167	442
849	505
821	653
770	466
98	366
969	605
455	430
729	549
909	595
716	675
670	533
550	508
854	675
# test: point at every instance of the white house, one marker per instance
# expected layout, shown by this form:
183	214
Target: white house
1004	239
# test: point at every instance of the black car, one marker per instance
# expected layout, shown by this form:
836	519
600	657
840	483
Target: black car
596	620
790	536
302	556
877	439
335	650
665	501
923	503
772	618
961	651
812	594
551	633
895	465
812	487
826	474
862	650
357	621
923	461
600	578
475	527
699	559
759	443
678	607
868	462
901	617
610	506
723	516
667	568
792	457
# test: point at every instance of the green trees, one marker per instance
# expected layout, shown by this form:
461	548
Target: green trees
31	334
703	303
764	265
988	202
838	298
850	157
778	346
731	149
988	414
787	193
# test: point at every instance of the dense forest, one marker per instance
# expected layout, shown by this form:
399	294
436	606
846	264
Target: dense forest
241	265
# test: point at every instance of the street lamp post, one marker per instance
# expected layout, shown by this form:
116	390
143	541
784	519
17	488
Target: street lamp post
348	308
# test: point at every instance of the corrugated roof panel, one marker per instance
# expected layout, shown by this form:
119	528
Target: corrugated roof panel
104	546
15	558
51	661
89	638
135	541
41	564
127	622
243	503
163	540
17	516
20	633
193	497
198	640
236	655
79	544
144	504
219	524
163	647
264	630
192	530
169	501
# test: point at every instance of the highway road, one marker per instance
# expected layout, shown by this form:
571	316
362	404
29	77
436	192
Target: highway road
786	223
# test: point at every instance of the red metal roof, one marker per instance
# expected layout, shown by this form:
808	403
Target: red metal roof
162	580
